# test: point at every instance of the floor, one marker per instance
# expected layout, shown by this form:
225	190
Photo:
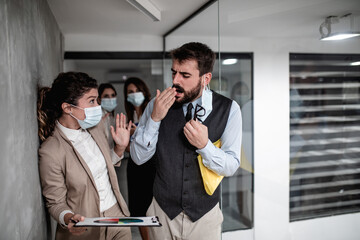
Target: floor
135	233
122	179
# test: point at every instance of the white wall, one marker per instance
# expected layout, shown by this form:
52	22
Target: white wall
271	140
116	42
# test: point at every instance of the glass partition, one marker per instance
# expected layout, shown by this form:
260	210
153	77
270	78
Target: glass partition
232	78
237	190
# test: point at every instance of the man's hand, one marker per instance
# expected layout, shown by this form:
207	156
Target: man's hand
196	133
71	219
121	134
162	103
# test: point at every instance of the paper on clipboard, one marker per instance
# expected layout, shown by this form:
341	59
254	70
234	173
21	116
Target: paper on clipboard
152	221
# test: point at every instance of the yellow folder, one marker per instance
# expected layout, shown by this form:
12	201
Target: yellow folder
210	178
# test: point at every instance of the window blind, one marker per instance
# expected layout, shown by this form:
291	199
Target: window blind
324	135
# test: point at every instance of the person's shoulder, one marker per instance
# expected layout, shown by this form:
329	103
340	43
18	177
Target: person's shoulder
52	145
50	142
52	152
222	97
218	95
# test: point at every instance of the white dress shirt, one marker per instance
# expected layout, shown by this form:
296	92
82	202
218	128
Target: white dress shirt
91	153
224	161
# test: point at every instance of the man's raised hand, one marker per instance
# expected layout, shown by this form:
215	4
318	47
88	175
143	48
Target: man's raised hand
162	103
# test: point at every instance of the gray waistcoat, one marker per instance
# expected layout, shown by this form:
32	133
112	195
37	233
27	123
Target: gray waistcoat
178	185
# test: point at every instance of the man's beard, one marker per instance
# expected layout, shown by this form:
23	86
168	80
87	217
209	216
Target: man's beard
189	96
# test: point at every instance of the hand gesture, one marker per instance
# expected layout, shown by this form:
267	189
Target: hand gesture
196	133
162	103
71	224
121	133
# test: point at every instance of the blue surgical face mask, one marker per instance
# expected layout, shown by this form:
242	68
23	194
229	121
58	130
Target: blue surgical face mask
93	116
136	99
108	104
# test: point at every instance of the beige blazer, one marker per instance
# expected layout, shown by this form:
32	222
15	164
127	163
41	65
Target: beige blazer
67	182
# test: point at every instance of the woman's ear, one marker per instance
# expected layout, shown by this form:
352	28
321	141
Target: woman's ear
66	107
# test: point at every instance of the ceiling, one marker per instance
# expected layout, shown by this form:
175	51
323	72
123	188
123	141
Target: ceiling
254	18
114	16
238	18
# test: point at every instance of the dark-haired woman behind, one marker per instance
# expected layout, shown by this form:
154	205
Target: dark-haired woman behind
75	161
108	101
140	177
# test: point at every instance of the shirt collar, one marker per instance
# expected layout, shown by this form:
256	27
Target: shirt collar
71	134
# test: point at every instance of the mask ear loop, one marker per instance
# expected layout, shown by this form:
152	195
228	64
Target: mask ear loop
77	106
72	114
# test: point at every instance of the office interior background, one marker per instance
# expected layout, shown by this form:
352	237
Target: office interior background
300	172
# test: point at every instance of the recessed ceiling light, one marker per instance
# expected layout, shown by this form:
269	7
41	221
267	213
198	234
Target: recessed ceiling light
229	61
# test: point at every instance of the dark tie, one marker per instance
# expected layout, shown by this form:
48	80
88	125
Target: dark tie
188	113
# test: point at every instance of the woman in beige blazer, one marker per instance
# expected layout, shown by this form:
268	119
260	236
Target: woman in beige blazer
76	163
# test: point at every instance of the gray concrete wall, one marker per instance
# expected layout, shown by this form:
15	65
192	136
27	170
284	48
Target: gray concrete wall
30	54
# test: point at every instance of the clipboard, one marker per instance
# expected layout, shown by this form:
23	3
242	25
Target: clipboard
152	221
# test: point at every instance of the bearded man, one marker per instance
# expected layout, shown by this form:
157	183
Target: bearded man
180	123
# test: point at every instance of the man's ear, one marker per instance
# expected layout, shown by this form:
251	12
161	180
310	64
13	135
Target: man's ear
207	78
66	107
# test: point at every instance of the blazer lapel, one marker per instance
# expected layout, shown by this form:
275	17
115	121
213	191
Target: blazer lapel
103	144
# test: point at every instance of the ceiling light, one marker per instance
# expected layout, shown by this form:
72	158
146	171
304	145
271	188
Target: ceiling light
146	7
355	64
326	33
229	61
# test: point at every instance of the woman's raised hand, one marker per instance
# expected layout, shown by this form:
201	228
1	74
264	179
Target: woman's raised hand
121	133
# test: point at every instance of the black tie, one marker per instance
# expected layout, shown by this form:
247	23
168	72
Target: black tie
188	113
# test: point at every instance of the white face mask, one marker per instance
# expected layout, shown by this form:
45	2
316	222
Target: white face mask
93	116
136	99
108	104
206	99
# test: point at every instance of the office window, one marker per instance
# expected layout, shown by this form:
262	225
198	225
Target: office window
324	135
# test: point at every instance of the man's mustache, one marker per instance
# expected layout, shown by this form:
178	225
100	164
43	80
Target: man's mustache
178	88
